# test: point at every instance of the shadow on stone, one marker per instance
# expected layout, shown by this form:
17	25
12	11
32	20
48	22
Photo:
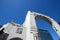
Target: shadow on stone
16	39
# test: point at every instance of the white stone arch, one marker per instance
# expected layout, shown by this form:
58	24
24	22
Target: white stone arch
50	20
30	24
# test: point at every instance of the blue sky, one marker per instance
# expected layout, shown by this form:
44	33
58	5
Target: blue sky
17	10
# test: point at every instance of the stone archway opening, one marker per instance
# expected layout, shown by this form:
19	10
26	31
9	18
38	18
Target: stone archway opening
44	19
16	39
42	24
49	23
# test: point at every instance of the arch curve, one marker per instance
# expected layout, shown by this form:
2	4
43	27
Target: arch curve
44	18
16	38
50	20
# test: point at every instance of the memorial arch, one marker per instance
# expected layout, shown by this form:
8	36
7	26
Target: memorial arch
30	30
30	24
50	20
